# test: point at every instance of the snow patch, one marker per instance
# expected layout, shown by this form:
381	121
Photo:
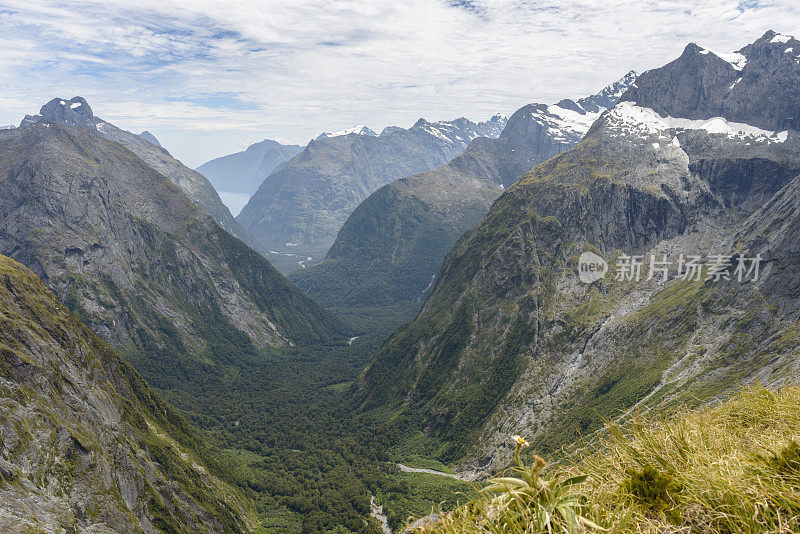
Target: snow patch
358	130
626	118
75	105
572	120
781	38
736	59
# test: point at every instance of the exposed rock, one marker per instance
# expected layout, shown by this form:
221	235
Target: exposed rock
77	113
89	447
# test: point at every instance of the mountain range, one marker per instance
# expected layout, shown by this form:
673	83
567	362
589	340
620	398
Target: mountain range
540	277
511	340
358	130
298	209
388	252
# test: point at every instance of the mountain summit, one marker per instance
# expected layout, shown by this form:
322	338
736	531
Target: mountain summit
357	130
76	112
244	171
73	112
757	85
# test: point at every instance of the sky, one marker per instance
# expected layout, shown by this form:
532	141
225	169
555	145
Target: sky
211	77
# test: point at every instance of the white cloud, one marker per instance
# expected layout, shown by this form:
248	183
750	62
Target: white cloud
293	68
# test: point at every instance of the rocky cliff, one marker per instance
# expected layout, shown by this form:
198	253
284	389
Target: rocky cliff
85	445
76	112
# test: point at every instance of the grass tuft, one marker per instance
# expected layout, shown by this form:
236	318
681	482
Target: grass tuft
732	467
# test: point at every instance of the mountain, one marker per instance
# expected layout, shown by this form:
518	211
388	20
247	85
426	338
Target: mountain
150	138
512	341
298	210
244	171
358	130
755	85
140	263
85	445
77	112
391	247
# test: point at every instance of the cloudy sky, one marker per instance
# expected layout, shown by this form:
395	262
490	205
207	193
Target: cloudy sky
210	77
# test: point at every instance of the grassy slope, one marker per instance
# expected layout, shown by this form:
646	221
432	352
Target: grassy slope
733	467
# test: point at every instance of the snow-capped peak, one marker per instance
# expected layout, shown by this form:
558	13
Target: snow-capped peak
358	130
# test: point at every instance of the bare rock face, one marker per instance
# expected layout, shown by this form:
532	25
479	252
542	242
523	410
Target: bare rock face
76	112
758	85
128	251
510	341
73	112
85	446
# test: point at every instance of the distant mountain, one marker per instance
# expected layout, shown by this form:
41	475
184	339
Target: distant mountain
135	258
358	130
298	210
390	249
150	138
77	112
511	340
244	171
85	445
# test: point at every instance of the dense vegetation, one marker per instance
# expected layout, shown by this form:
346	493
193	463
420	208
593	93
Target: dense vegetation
285	428
734	467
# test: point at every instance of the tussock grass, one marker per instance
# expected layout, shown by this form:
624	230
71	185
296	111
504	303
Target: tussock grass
733	467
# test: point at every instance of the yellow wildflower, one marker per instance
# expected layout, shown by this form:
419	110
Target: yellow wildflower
520	441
